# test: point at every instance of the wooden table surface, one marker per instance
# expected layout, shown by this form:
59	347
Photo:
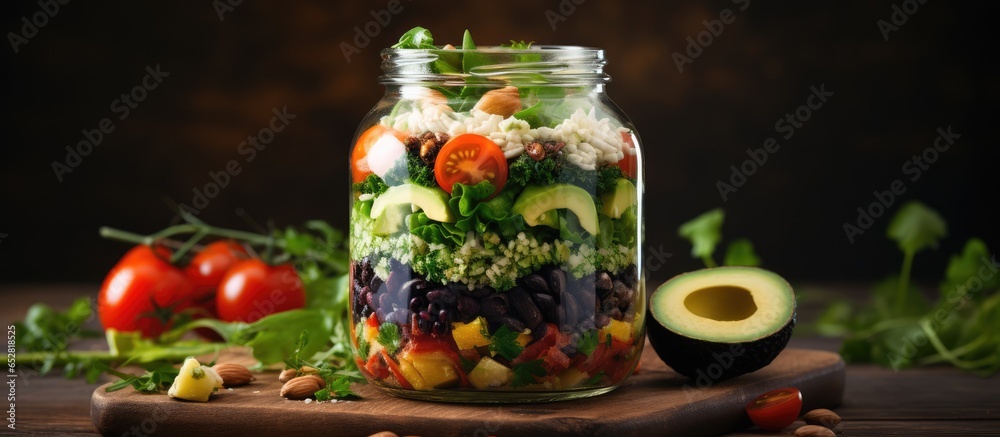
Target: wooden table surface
878	401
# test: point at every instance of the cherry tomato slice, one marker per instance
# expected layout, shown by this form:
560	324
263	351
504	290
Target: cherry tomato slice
470	159
359	155
776	409
252	289
629	164
143	292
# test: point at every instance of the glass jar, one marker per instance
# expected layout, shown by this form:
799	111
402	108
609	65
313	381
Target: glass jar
495	232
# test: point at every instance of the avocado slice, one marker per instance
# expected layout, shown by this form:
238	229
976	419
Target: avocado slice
616	201
433	201
538	205
391	219
718	323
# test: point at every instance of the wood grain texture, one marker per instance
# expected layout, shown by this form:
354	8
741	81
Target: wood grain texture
653	402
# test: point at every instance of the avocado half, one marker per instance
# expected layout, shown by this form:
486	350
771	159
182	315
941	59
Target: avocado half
718	323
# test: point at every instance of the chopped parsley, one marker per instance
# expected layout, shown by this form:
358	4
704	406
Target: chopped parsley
371	185
412	170
526	373
504	342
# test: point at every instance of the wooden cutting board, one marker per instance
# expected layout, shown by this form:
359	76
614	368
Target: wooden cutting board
653	402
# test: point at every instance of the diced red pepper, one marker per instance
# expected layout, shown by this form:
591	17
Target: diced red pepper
394	368
376	367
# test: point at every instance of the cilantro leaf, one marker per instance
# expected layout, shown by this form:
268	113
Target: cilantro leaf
389	337
588	342
704	233
526	373
594	380
416	38
914	228
962	268
740	253
337	387
504	342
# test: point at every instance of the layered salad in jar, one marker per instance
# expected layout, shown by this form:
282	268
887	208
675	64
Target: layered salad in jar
494	241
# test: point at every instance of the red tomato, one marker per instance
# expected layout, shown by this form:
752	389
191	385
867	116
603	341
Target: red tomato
470	159
206	270
534	350
359	155
776	409
252	289
629	164
209	266
143	291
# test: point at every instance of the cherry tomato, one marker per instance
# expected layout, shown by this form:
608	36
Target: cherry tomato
252	289
143	291
470	159
359	155
209	266
206	270
629	164
776	409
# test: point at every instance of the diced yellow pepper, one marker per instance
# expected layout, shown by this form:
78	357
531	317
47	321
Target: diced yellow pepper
435	369
412	375
619	330
489	373
470	335
571	377
524	338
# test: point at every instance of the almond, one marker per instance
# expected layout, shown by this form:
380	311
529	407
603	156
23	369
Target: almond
287	375
822	417
233	375
503	102
302	387
307	370
814	431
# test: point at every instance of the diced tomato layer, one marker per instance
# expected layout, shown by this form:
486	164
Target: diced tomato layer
376	367
535	350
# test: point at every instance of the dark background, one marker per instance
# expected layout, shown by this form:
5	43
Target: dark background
226	76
